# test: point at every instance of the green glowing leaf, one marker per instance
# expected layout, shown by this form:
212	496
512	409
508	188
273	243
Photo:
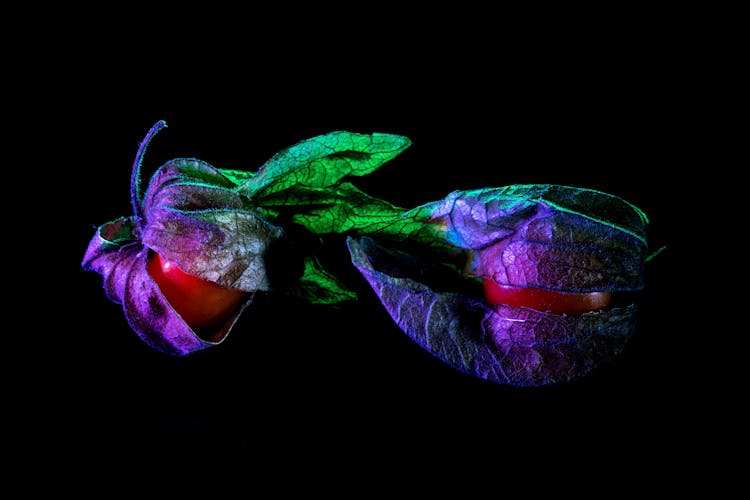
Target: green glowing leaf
335	209
419	230
319	287
322	162
236	176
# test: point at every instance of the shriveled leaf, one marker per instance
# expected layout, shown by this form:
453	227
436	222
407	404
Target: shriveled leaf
554	237
193	217
565	252
223	246
111	253
475	218
122	263
118	232
191	184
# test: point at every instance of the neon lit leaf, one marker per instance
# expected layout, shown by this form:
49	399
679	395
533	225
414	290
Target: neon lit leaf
322	162
320	287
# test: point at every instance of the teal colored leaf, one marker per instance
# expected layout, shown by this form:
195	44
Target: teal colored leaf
323	161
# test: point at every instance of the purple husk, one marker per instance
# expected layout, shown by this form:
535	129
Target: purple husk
191	216
513	346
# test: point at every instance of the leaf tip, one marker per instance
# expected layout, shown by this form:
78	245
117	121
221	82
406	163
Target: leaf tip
655	253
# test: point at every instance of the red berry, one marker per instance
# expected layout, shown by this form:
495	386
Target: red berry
202	304
545	300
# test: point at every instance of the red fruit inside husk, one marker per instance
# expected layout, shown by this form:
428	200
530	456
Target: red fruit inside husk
203	304
545	300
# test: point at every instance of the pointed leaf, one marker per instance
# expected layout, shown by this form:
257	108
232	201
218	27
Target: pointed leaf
323	161
319	287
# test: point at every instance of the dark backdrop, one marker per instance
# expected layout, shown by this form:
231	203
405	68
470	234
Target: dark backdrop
294	380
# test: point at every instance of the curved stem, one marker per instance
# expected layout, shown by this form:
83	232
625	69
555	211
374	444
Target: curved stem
135	177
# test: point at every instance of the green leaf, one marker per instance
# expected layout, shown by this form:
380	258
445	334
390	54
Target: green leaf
319	287
418	230
323	161
237	177
338	209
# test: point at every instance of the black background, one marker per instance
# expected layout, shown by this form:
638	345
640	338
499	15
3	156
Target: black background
604	112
